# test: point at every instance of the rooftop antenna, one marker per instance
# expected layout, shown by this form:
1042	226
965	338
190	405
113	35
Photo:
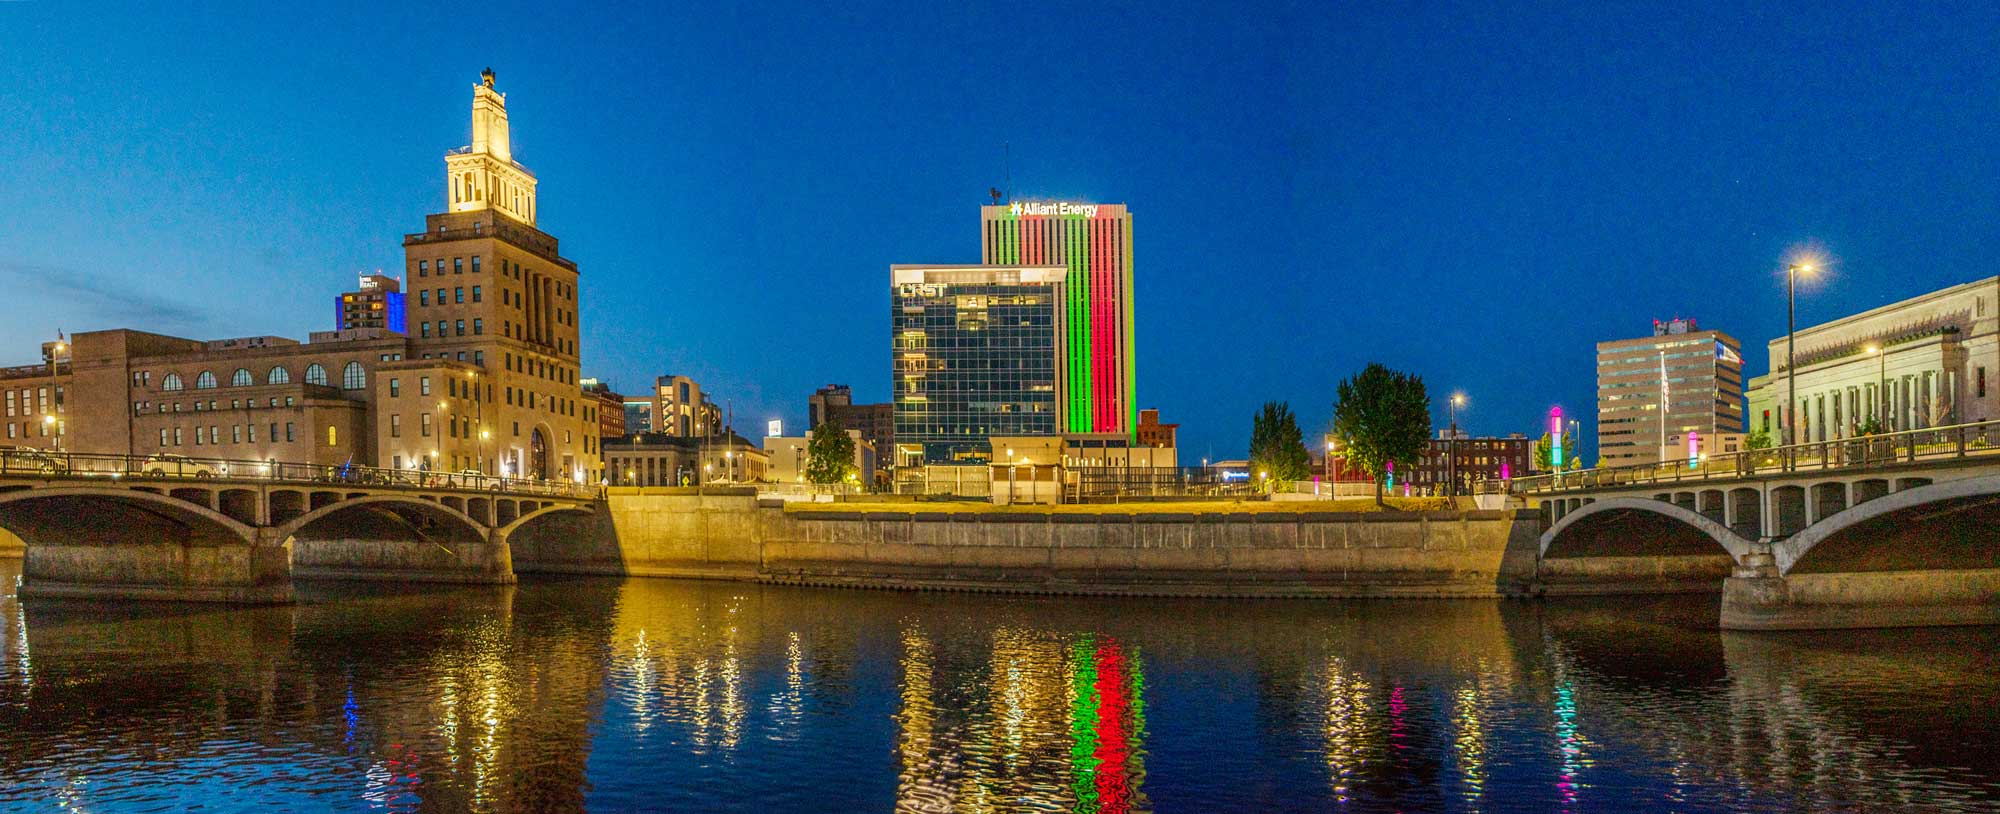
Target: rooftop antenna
1007	170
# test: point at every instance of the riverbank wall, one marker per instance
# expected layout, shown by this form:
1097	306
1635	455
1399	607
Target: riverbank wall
1155	551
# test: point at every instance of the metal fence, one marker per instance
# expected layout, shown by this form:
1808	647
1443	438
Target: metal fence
1111	484
23	461
1908	446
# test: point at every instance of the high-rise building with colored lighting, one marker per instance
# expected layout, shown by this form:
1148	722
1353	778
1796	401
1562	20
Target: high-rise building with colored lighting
1093	244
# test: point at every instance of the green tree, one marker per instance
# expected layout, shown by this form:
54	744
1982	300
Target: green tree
1277	447
829	454
1383	417
1868	426
1757	439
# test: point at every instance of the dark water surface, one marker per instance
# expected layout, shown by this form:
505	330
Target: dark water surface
661	695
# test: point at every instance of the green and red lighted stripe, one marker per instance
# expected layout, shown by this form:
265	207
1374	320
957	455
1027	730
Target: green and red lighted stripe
1093	312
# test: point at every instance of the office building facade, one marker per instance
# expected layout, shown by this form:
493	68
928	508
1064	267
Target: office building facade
1092	243
975	352
680	409
1654	389
376	303
1923	362
609	406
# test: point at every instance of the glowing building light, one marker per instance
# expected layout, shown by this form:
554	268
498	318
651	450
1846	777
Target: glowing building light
1694	449
1556	438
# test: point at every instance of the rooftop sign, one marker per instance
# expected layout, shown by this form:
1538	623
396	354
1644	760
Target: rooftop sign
1019	208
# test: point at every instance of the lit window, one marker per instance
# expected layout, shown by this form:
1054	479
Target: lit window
332	437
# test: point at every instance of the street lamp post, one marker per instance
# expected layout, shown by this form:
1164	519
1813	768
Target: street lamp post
54	418
1451	446
1791	348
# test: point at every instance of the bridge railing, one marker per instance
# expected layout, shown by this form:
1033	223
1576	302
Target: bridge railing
20	461
1908	446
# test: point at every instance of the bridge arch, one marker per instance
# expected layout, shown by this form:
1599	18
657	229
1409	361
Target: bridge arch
1654	516
408	509
1868	533
195	519
507	531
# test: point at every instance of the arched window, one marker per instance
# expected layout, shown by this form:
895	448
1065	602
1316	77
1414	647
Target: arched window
171	382
315	374
241	378
279	375
205	381
353	377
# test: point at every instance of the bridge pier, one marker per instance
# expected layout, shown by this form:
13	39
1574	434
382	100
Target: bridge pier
1757	597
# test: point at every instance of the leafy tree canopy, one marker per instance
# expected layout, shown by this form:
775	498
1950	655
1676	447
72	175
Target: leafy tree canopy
829	454
1277	447
1383	417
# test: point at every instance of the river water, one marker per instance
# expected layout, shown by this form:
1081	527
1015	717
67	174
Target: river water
663	695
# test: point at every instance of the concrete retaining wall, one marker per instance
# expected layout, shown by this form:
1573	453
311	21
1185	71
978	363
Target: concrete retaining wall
674	532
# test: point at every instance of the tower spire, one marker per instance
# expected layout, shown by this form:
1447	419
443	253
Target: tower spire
484	175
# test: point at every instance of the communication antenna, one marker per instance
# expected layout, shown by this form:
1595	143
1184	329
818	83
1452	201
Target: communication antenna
1007	171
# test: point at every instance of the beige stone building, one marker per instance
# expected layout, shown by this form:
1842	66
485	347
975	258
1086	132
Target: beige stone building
485	379
679	408
1926	361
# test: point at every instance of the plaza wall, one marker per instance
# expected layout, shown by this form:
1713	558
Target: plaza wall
676	532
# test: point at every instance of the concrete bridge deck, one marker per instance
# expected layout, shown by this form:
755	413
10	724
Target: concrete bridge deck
239	531
1889	530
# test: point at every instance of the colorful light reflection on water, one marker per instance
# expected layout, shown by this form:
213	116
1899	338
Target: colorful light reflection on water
612	695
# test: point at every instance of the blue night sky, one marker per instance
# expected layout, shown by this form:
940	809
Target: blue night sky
1472	196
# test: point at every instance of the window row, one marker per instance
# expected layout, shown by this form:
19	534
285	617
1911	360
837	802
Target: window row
143	407
352	377
446	328
211	435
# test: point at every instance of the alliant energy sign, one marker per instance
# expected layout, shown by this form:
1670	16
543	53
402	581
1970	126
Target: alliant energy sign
1019	208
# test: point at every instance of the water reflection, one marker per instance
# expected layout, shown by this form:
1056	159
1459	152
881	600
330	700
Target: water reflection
561	695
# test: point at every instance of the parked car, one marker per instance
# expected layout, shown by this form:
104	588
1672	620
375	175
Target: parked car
30	459
169	465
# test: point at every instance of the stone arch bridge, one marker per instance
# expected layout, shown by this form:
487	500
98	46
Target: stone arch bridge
114	526
1901	529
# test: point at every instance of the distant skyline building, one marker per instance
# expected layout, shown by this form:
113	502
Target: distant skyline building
376	303
875	422
610	407
975	354
1653	390
681	409
1092	243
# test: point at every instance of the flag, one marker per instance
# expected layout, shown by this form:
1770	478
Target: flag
1726	354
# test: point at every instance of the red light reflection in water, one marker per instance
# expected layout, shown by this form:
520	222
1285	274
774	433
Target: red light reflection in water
1114	707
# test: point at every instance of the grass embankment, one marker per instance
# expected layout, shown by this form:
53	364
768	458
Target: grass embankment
1355	505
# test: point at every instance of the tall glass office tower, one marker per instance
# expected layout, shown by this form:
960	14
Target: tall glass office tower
1092	243
976	353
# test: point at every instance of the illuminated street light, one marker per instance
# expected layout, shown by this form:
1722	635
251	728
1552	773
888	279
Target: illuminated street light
1792	273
